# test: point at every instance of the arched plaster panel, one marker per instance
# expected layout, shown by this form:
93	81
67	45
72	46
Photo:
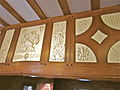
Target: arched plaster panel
84	54
83	25
114	53
112	20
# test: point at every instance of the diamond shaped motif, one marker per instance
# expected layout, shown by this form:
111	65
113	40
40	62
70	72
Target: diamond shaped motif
99	36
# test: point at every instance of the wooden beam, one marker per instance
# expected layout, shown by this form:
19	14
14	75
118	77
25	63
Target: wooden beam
12	11
37	9
3	22
64	6
106	10
95	4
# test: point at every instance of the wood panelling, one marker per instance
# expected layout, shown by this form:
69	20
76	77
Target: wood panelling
37	9
12	11
95	4
69	69
3	22
64	6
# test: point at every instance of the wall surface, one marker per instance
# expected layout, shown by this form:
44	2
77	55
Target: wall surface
18	82
66	84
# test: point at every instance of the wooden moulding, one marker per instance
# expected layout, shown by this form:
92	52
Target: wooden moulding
68	69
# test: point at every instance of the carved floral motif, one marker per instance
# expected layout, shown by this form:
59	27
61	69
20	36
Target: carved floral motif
57	52
83	24
5	45
84	54
30	44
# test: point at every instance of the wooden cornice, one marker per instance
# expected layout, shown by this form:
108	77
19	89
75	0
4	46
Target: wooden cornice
37	9
95	4
64	6
3	22
12	11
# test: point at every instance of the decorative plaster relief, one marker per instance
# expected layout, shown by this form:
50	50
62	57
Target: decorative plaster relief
84	53
114	53
57	51
99	36
6	45
83	24
112	20
29	44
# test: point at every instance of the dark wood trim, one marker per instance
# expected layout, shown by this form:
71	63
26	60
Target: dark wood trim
12	11
64	6
37	9
3	22
72	41
67	45
2	35
95	4
13	45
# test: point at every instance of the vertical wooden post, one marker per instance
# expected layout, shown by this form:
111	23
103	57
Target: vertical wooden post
13	45
47	42
71	32
2	35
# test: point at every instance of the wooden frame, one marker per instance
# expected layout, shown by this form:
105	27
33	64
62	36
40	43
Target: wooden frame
69	69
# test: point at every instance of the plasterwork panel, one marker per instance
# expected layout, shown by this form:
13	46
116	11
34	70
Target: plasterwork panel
112	20
57	51
84	54
6	45
83	24
114	53
29	44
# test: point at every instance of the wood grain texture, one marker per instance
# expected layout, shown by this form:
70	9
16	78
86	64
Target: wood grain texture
46	43
71	23
2	35
70	69
64	6
3	22
95	4
37	9
12	11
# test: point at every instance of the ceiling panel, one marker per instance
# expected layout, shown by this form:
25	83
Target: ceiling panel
24	9
5	15
1	25
106	3
79	5
50	7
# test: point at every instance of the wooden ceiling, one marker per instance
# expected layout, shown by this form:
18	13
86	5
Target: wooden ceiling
22	11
